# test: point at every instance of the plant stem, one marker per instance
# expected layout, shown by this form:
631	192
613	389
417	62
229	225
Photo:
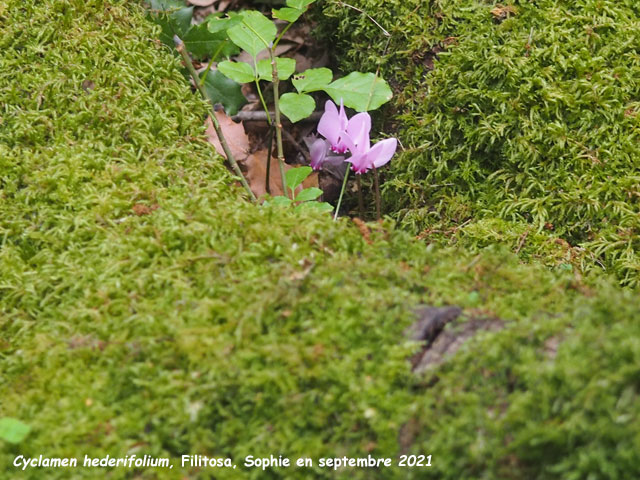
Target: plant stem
344	186
264	104
223	141
213	59
377	189
276	108
269	148
360	199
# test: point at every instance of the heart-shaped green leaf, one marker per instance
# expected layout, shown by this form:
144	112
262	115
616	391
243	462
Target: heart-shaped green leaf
13	430
239	71
361	91
297	106
221	89
295	176
255	34
287	14
308	194
217	24
299	4
312	80
293	10
286	67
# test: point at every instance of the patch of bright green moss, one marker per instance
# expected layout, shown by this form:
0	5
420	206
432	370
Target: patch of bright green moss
530	115
146	308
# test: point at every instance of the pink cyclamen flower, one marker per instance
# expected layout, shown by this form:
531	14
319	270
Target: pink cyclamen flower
333	124
363	156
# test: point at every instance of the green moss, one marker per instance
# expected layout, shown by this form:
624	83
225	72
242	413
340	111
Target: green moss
529	115
207	325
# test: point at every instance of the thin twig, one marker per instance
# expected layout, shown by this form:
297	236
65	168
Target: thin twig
216	125
292	139
261	116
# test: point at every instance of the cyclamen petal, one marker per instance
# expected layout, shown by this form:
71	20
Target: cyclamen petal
382	152
333	124
358	130
318	153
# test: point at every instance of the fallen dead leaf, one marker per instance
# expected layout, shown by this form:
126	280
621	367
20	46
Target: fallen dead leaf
252	163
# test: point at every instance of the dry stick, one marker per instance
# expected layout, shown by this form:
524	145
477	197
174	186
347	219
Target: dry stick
276	108
223	141
295	143
261	116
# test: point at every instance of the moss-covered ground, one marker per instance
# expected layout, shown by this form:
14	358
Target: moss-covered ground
147	308
515	117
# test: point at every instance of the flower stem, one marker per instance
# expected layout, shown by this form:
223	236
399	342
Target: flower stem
276	108
344	186
264	104
269	150
360	198
377	187
223	141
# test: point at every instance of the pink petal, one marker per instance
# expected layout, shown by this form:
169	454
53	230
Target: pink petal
343	116
329	125
318	153
359	162
358	130
382	152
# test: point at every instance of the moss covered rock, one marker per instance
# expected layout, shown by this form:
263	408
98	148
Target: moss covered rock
526	112
146	308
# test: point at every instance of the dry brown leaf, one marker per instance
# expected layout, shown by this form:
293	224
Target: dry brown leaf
253	164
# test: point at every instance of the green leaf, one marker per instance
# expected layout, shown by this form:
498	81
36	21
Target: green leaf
296	176
281	200
308	194
13	430
287	14
360	91
321	206
294	10
201	42
297	106
173	17
312	80
286	67
255	34
239	71
217	24
221	89
299	4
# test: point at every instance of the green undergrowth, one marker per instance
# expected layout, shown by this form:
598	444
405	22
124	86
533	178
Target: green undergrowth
147	308
523	111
